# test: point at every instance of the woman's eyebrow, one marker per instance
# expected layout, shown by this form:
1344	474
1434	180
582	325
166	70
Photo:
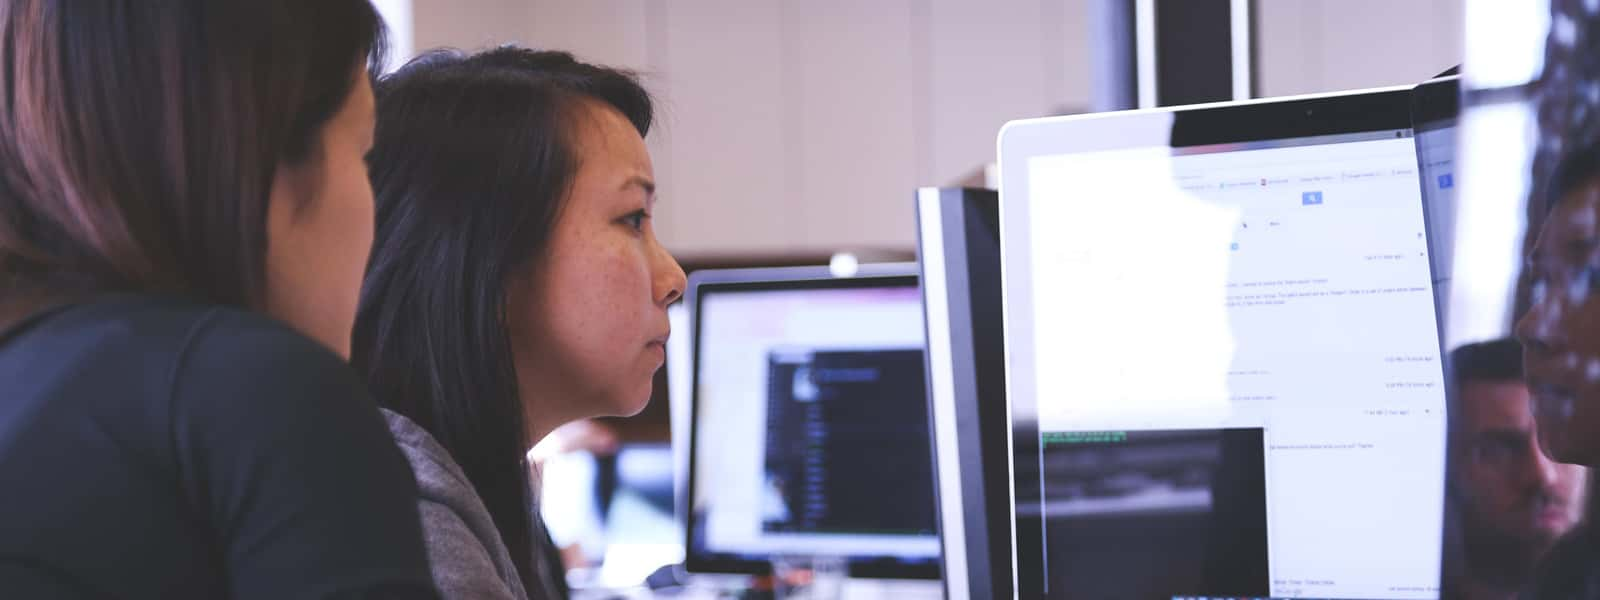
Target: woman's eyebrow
643	182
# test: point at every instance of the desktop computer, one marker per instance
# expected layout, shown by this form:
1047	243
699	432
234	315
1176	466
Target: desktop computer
809	422
958	246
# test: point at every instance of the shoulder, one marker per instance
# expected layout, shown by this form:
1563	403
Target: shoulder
464	564
1571	569
446	497
450	506
154	347
465	552
246	382
146	318
242	348
136	334
237	365
171	338
439	477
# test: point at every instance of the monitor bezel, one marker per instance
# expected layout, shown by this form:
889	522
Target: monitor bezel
1436	106
1436	103
970	465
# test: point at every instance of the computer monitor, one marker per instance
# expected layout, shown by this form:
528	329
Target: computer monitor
680	374
1435	109
959	247
1223	353
810	422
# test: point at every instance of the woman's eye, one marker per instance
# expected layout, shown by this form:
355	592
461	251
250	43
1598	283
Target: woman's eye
636	219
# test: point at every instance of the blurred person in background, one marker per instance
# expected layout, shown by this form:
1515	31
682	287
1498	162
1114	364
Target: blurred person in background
567	462
1560	334
1514	502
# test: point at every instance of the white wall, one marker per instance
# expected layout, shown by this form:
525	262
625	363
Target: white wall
397	15
1324	45
804	125
791	126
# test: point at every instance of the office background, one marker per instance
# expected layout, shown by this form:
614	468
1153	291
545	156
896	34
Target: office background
797	129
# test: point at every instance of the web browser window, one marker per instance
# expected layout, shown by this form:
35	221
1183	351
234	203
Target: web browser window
1237	360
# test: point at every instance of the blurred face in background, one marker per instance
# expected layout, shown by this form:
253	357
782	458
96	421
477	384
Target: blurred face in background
1561	330
1514	496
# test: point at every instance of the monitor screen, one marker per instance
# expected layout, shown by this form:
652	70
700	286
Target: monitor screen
1224	354
810	433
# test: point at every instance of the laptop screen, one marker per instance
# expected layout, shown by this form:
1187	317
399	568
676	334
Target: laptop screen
1224	356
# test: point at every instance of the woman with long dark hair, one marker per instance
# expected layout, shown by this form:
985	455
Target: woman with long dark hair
516	284
184	220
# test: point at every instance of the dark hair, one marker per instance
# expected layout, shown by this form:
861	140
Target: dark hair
138	140
473	157
1575	169
1491	361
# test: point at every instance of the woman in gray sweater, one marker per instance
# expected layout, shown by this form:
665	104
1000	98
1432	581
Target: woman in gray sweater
515	285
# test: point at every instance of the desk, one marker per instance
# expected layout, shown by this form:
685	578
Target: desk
854	589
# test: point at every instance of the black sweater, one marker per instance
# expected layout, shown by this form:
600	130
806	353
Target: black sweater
155	448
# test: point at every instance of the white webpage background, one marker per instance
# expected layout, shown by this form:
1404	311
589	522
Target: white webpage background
1201	291
738	330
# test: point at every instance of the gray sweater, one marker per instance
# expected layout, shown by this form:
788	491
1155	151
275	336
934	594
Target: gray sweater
465	552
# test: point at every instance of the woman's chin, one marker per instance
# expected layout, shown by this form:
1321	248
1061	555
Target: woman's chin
634	403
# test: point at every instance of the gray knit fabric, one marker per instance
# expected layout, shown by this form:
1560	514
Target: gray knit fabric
465	552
